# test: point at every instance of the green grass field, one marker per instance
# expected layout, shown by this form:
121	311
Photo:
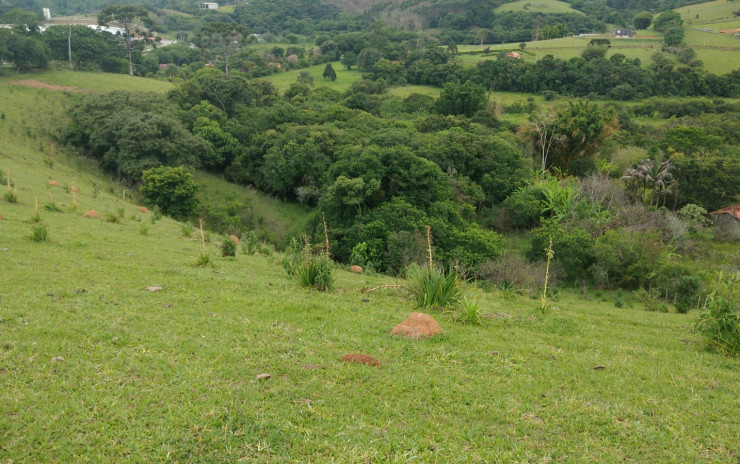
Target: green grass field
708	12
96	368
344	80
538	6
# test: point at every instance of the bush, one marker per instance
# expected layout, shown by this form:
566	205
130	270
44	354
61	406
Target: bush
171	189
251	245
511	271
310	271
431	287
228	247
650	300
315	272
719	322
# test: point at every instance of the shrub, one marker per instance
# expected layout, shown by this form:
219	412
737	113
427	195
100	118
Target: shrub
39	233
171	189
619	301
251	245
650	300
719	322
144	229
228	247
511	272
310	271
432	287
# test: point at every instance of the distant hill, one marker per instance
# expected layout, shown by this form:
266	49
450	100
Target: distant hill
540	6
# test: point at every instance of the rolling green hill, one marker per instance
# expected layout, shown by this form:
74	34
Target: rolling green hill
114	347
540	6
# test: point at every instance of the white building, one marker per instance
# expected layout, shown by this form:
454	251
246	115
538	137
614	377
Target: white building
209	6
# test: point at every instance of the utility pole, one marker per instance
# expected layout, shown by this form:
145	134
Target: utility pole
69	48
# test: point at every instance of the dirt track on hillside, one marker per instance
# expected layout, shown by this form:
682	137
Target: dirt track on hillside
43	85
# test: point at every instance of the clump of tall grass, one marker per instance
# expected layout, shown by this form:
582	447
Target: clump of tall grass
203	259
11	196
39	233
432	287
469	312
719	322
309	270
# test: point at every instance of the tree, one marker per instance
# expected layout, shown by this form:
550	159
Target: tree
329	72
305	77
593	52
463	99
673	37
223	39
85	45
642	20
349	59
544	136
125	15
172	189
581	128
667	20
23	21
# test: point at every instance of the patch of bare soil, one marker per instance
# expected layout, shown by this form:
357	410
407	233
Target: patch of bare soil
360	359
43	85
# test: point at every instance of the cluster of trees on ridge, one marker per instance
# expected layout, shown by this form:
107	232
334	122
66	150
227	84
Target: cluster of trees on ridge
380	176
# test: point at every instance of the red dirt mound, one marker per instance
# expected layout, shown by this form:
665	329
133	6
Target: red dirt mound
355	269
91	214
361	359
234	238
143	209
74	190
54	183
416	326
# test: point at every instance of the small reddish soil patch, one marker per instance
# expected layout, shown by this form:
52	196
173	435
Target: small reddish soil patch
416	326
360	359
143	209
74	190
355	269
91	214
1	217
234	239
54	183
43	85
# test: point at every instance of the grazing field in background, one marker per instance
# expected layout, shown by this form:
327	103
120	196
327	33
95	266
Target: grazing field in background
537	6
708	12
344	79
95	367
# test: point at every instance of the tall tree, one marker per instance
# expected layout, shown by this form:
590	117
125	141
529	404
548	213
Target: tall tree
125	15
223	39
329	72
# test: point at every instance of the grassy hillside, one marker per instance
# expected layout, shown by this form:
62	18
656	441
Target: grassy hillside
719	52
344	80
96	368
709	12
538	6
